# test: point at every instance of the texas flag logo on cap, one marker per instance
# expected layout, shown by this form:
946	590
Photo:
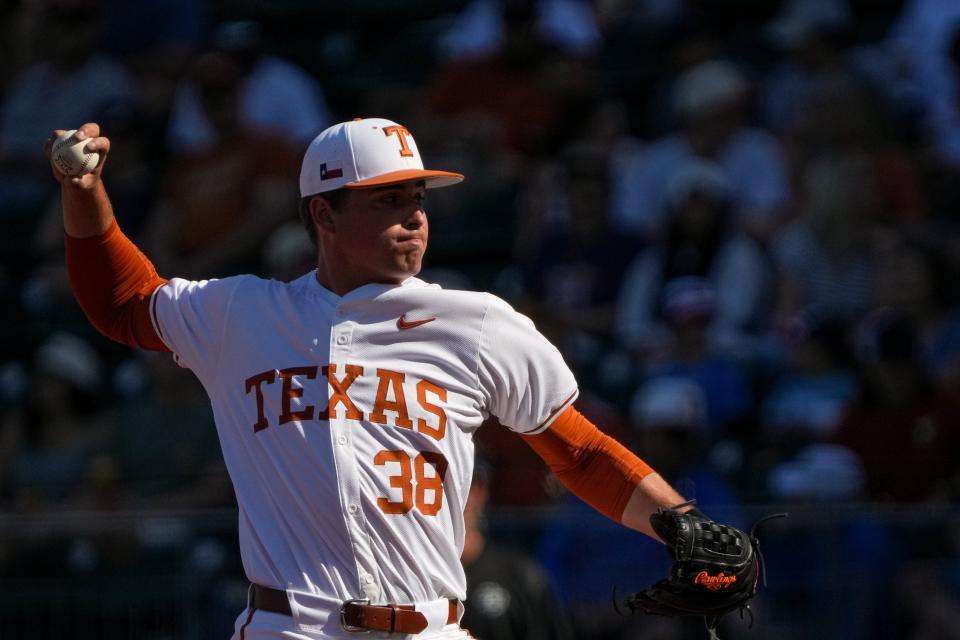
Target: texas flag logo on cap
367	152
329	174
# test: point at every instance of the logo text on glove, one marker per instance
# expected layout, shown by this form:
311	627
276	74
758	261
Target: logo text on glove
714	583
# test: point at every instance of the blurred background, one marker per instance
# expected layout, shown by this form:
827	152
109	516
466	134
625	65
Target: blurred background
737	219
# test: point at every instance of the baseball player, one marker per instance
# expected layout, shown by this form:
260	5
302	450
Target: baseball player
346	401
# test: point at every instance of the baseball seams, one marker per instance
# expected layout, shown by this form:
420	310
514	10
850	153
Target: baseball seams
70	155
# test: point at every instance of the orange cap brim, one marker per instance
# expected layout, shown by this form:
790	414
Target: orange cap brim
432	178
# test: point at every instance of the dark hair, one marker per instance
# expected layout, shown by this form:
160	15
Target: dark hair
335	198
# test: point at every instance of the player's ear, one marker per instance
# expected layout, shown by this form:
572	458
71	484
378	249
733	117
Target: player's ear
321	212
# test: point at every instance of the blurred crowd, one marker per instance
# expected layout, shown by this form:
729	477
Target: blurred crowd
740	223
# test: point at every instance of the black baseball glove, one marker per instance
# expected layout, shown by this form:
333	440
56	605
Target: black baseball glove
716	568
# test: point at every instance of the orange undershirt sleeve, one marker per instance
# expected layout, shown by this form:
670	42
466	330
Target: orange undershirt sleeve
112	280
595	467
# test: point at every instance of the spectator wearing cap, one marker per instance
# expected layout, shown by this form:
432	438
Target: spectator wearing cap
807	399
669	417
61	428
818	473
699	241
811	36
689	306
711	101
288	252
274	95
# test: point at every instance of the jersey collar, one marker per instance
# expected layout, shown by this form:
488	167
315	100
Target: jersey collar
364	292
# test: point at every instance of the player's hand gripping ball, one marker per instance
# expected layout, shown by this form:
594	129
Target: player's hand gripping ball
70	155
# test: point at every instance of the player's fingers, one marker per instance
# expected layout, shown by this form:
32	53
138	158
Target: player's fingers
88	130
85	181
100	145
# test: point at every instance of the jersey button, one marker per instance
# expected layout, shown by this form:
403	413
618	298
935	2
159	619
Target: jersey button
341	439
352	508
341	339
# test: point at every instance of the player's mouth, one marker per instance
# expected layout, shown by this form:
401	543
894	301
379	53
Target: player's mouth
411	240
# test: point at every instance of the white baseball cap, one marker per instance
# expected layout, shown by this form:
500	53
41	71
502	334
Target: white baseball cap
669	402
366	152
708	86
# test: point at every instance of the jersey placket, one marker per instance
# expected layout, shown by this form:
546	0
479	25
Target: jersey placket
341	342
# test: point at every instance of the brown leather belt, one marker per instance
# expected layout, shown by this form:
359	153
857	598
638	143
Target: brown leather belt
357	615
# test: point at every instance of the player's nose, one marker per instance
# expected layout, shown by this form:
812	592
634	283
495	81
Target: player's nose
416	217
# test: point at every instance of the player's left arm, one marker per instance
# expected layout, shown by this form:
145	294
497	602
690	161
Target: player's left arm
602	472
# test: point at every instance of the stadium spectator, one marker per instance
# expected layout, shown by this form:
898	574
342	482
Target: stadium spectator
569	262
812	36
825	258
518	94
479	30
72	83
914	279
218	203
62	430
700	240
689	306
923	39
274	96
903	428
805	401
712	101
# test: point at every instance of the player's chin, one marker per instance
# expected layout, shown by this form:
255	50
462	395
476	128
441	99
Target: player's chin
411	263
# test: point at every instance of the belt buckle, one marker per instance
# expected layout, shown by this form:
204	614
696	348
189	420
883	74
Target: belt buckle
343	615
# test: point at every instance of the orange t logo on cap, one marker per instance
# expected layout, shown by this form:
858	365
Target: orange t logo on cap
402	134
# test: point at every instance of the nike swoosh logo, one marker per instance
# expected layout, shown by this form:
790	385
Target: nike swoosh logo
403	323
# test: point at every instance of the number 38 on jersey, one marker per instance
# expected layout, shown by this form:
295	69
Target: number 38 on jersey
415	481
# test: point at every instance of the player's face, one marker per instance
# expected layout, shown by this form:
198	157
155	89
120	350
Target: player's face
382	232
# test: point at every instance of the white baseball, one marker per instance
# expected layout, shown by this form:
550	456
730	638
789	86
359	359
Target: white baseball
70	155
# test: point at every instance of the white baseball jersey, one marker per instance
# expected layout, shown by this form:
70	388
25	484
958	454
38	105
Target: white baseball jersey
346	422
